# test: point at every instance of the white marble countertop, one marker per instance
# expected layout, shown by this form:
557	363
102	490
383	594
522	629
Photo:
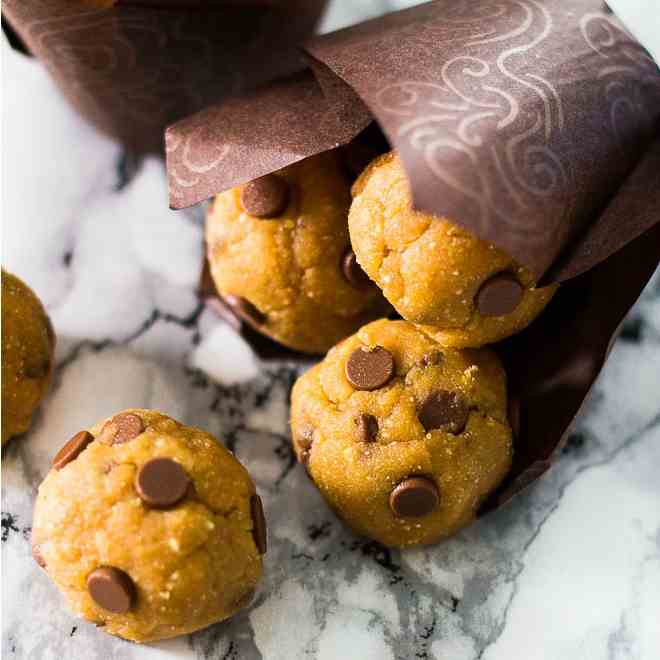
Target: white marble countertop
570	570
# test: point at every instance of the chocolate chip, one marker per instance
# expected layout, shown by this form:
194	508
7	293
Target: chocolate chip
499	295
38	557
161	483
123	427
244	308
432	359
259	524
112	589
72	449
368	427
414	497
369	368
265	197
353	272
444	410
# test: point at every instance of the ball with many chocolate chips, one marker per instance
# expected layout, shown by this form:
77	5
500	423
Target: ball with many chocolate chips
150	529
28	342
404	438
279	256
466	290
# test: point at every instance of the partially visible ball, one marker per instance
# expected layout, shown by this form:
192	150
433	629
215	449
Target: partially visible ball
28	342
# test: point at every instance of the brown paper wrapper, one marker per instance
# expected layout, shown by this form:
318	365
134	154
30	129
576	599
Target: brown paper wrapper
132	67
247	137
517	120
531	124
552	365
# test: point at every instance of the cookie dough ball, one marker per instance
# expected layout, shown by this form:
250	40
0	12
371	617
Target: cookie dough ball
28	342
433	271
150	529
279	255
403	437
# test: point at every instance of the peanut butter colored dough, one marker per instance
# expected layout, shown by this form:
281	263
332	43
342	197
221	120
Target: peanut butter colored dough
433	271
290	274
409	462
180	542
28	342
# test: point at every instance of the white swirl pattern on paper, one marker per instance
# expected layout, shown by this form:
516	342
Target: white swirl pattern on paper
487	113
207	165
624	69
101	60
201	166
132	70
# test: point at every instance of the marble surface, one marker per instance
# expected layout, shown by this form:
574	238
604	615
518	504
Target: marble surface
569	570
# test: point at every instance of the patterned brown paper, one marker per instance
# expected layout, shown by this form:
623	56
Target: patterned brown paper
246	137
132	67
518	119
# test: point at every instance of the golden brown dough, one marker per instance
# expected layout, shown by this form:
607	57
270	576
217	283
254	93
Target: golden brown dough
149	528
403	437
28	342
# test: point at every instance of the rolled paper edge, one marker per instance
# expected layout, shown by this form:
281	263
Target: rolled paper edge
247	137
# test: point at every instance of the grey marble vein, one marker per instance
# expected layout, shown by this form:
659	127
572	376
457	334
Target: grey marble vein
569	569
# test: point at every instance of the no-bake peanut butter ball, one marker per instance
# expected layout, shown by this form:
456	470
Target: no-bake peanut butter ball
433	271
404	437
28	342
279	255
150	528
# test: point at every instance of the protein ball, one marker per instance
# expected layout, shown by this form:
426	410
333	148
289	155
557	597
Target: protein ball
434	272
150	529
279	255
407	446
